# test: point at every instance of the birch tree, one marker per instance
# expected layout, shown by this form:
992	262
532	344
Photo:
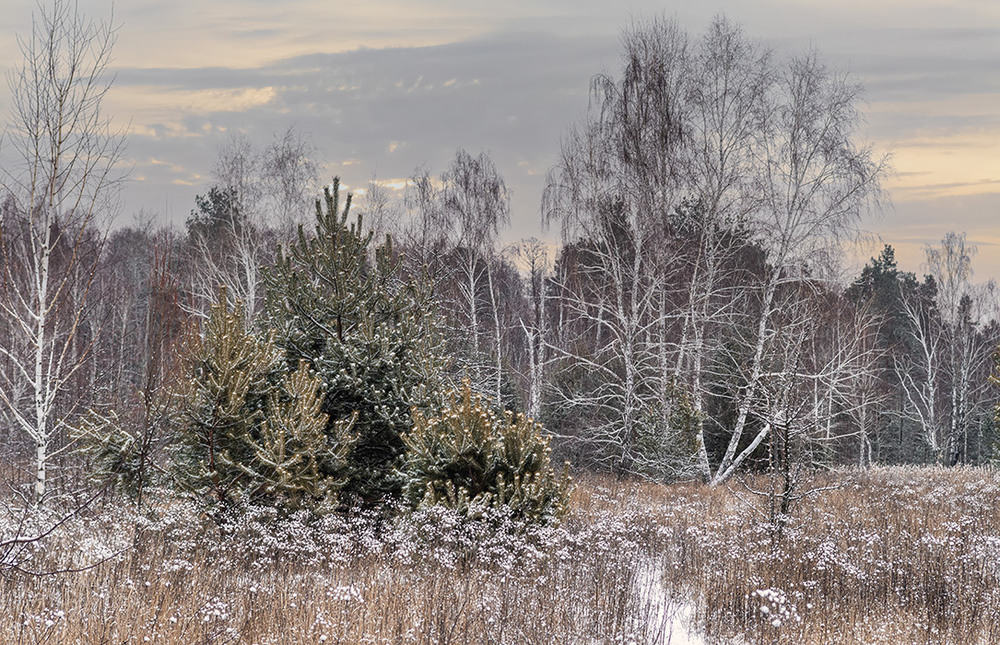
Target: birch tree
817	184
612	192
290	176
919	370
534	256
727	116
943	376
224	235
951	267
707	186
63	183
257	192
476	203
425	228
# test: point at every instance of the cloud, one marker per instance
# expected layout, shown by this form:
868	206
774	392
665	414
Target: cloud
153	169
387	86
385	110
145	102
390	110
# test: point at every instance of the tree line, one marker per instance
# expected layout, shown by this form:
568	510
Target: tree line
694	320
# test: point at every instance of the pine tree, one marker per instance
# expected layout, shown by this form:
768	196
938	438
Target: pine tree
293	444
368	336
231	375
249	430
667	438
469	457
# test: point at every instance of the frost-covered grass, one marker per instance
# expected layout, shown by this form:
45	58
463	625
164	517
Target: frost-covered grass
892	556
429	578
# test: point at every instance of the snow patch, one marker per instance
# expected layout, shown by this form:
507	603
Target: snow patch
668	620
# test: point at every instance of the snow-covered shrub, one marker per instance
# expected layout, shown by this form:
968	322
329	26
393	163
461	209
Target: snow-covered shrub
469	458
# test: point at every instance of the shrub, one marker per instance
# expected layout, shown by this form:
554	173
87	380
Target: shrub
468	458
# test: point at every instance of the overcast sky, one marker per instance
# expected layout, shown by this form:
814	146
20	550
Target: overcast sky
381	87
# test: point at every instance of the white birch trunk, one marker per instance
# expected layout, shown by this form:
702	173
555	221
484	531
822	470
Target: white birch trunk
730	460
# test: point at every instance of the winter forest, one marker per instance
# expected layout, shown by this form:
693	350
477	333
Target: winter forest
311	416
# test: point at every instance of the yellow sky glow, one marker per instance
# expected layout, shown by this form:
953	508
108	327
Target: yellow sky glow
219	27
955	166
146	106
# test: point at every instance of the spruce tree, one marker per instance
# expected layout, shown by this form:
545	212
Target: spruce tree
340	307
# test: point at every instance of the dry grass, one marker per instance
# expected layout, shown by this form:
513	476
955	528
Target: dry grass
360	581
893	556
890	556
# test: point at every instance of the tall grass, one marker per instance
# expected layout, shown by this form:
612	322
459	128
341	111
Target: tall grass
890	556
897	555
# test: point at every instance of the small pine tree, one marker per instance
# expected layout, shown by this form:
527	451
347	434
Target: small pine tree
667	439
113	450
368	336
248	429
231	375
469	457
293	444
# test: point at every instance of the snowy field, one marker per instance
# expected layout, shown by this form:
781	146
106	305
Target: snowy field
883	556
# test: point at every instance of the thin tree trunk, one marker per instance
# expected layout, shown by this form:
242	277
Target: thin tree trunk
730	461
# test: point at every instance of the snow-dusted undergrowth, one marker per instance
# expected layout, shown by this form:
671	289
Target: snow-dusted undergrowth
893	556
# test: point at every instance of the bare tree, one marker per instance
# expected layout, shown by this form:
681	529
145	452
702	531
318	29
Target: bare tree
944	377
951	267
380	211
613	192
424	229
290	177
860	393
476	204
708	185
124	432
818	183
226	246
919	370
534	256
727	114
257	192
65	180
